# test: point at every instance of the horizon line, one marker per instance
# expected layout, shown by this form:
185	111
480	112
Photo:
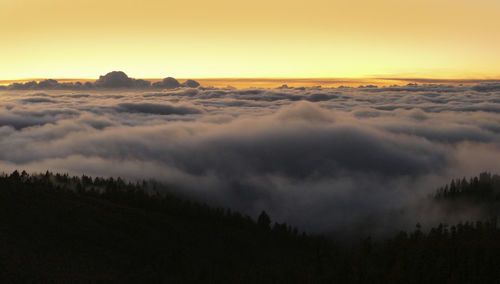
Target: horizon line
272	82
418	78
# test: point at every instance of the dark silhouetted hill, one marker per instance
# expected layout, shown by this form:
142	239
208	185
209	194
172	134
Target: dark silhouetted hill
56	228
60	229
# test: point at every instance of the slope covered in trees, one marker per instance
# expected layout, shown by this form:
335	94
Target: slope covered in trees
481	193
57	228
485	188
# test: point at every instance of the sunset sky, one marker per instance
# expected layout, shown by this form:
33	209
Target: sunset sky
227	38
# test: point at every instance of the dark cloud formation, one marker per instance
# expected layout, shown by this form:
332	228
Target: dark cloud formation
112	80
37	100
191	84
487	87
48	84
324	159
161	109
115	79
168	83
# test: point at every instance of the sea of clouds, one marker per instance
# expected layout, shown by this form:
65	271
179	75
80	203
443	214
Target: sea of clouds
324	159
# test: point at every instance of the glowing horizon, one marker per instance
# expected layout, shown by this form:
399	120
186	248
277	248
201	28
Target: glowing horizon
260	39
243	83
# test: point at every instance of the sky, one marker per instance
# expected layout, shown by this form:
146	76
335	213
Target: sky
260	38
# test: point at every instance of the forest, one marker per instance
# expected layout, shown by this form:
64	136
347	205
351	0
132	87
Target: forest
58	228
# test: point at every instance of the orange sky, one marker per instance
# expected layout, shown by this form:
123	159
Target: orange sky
260	38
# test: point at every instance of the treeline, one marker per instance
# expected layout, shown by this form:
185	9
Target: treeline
464	253
112	80
485	188
61	228
149	195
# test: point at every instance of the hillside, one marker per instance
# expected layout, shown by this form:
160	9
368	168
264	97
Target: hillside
61	229
106	230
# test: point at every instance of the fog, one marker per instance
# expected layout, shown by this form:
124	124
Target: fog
323	159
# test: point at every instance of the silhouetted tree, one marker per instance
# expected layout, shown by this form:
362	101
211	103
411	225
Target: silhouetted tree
264	221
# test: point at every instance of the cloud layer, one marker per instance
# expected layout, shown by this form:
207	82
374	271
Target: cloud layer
112	80
324	159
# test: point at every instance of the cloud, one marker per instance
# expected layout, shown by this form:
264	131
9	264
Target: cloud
115	79
168	83
111	80
162	109
48	84
77	96
22	118
321	158
486	87
191	84
37	100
